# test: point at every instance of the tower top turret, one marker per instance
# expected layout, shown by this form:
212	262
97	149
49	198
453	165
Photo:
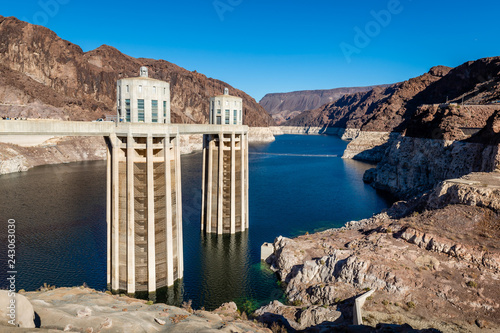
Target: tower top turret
143	72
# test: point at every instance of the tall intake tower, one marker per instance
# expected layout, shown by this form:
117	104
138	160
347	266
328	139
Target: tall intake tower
144	191
225	169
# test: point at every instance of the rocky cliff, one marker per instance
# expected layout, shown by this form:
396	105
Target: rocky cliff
285	106
381	109
394	108
413	165
417	108
368	146
16	158
432	262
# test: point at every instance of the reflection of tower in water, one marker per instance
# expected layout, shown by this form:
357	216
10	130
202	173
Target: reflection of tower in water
225	262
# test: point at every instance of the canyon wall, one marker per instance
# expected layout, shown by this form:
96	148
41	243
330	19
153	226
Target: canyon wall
37	65
285	106
413	165
368	146
312	130
16	158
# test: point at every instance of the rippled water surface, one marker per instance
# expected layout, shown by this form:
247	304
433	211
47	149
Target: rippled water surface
297	184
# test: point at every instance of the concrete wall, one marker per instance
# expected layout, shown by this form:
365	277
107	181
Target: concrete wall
106	128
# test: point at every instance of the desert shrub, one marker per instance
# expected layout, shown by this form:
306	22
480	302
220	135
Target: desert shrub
472	284
187	306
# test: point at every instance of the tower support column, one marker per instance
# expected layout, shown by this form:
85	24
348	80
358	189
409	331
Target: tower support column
150	187
130	216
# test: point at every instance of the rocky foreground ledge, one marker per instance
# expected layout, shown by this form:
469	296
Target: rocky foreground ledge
433	262
86	310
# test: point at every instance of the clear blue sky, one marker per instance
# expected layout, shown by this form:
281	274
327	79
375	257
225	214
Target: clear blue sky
280	45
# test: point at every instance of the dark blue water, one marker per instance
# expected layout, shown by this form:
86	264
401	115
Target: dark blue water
298	184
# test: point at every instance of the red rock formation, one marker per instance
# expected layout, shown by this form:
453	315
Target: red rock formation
39	65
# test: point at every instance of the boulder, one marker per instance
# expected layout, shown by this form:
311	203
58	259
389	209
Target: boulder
16	309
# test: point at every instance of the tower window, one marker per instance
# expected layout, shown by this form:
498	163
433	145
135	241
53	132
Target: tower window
128	89
154	90
165	110
140	88
140	110
127	110
154	111
235	117
227	117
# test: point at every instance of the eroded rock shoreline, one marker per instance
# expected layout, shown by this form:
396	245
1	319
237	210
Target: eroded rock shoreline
434	263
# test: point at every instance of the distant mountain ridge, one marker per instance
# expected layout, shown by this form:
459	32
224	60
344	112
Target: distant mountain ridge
44	76
394	108
285	106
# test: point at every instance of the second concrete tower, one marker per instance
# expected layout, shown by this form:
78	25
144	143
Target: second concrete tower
225	169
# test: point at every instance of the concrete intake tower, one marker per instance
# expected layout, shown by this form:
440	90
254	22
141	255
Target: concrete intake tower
225	169
144	192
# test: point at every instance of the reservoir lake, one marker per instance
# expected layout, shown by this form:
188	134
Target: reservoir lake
298	184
